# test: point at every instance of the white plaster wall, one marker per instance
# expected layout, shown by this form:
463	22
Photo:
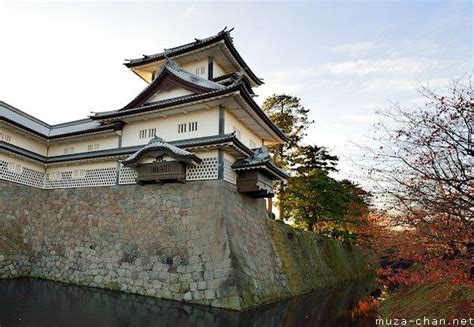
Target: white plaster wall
85	166
26	164
191	66
206	154
217	70
107	142
167	128
228	156
26	142
246	133
169	94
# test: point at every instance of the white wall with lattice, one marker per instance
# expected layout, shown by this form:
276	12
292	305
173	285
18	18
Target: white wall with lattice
207	169
85	178
127	175
16	171
101	173
229	174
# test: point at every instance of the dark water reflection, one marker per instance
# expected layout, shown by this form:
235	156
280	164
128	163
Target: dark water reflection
32	302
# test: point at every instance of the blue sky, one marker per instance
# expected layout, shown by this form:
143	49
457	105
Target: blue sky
60	61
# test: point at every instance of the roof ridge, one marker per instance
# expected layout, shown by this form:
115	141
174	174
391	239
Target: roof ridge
72	122
222	36
167	51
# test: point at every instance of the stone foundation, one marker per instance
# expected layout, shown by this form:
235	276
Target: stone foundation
199	242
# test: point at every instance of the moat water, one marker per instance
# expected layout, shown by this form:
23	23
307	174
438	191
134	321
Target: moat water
33	302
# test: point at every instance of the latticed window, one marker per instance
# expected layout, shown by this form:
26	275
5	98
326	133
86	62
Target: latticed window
182	128
142	134
193	126
201	71
15	168
5	137
151	132
79	173
93	147
55	175
69	150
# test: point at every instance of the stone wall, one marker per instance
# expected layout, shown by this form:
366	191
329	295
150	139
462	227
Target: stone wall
200	242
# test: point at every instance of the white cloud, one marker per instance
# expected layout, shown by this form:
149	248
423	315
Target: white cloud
379	66
398	84
387	84
355	48
295	73
191	12
360	118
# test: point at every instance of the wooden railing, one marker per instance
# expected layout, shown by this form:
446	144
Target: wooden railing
161	171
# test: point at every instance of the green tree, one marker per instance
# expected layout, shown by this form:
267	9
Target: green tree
291	117
316	200
309	157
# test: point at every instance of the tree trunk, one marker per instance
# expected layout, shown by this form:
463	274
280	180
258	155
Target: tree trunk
270	207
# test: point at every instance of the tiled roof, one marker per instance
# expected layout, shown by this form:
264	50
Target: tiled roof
21	119
117	152
174	68
172	51
259	156
188	80
157	104
223	35
158	144
162	104
260	159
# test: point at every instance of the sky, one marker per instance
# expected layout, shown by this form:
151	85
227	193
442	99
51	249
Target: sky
60	61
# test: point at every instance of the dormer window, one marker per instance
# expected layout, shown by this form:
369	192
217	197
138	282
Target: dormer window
201	71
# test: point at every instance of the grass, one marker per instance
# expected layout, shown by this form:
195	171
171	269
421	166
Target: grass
435	300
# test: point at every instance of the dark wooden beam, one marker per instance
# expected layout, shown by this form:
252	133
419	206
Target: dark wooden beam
221	119
220	164
210	68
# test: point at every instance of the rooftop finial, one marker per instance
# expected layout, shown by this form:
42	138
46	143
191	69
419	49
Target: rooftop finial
223	31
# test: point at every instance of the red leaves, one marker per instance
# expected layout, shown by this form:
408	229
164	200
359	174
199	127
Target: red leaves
452	271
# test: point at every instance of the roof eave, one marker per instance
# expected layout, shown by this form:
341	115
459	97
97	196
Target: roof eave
222	37
105	128
248	98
